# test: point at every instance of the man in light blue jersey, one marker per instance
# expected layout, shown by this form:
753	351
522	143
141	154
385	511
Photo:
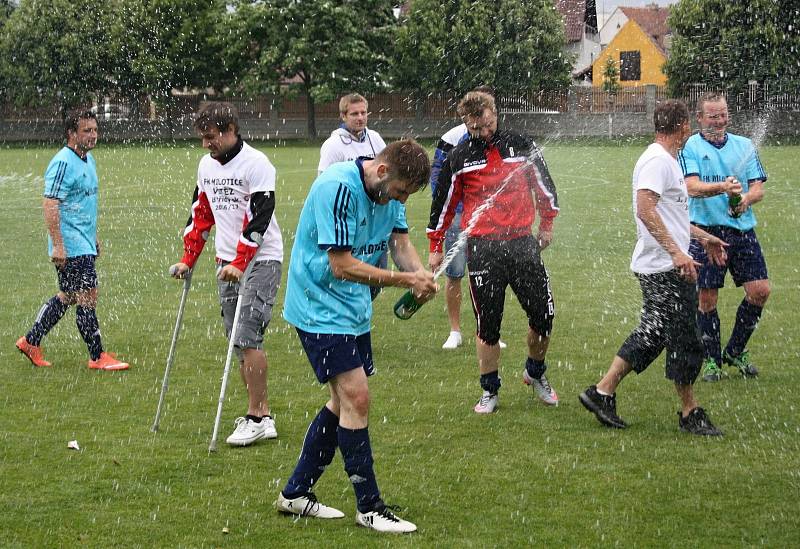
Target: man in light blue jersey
353	214
714	162
70	213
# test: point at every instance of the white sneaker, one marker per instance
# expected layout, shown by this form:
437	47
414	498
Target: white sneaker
453	341
542	388
306	506
486	404
269	427
502	344
385	521
248	431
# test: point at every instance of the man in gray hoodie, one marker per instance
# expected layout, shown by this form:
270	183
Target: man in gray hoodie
352	139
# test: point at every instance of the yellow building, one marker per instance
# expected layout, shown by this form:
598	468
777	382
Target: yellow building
639	56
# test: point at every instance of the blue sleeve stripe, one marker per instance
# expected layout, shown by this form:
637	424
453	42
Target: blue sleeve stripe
59	178
761	171
340	205
682	162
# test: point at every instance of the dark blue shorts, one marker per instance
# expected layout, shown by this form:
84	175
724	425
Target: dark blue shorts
334	354
77	275
745	260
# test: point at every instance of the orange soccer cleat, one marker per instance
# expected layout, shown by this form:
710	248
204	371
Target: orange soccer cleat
33	353
107	361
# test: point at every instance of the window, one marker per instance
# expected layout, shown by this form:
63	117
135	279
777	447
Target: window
630	66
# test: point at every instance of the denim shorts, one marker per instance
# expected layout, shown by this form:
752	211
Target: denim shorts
456	268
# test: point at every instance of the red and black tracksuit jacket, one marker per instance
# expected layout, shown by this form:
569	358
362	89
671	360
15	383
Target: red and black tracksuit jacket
507	169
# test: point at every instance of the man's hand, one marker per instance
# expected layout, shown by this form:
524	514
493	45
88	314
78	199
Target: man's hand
435	261
544	238
715	249
58	256
744	203
229	273
686	266
179	270
731	186
424	287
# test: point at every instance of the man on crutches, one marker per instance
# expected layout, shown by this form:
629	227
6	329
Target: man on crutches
236	192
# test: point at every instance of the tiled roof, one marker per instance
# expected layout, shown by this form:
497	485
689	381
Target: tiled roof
573	12
652	19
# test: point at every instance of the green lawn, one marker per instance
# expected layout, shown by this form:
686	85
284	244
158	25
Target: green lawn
526	476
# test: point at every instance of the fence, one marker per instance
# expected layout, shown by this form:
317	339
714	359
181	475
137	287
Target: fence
578	111
397	105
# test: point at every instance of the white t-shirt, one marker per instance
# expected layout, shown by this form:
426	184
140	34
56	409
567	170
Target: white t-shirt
341	146
658	171
227	188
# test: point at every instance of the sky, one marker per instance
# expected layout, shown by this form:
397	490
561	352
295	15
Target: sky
608	6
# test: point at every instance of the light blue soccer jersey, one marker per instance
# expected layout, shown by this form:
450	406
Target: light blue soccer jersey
337	214
73	182
737	157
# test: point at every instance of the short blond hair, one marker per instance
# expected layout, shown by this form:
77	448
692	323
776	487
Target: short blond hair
348	100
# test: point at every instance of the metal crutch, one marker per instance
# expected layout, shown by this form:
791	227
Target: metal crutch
259	240
187	283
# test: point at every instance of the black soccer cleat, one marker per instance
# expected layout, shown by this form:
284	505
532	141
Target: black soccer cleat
604	407
742	363
697	423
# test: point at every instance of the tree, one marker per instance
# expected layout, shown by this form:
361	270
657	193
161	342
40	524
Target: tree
52	52
166	44
319	47
510	44
611	76
726	43
6	7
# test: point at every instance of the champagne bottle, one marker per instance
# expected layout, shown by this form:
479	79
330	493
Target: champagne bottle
733	202
406	306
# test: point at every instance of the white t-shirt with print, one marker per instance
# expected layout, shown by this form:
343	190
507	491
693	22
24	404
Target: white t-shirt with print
658	171
227	188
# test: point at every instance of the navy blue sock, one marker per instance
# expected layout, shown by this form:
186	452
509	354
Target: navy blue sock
535	368
47	317
491	382
747	318
709	328
86	319
256	419
357	454
319	447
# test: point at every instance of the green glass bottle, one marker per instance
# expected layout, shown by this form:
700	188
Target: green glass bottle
406	306
733	202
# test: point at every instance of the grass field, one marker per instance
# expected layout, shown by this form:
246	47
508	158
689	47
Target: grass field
526	476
